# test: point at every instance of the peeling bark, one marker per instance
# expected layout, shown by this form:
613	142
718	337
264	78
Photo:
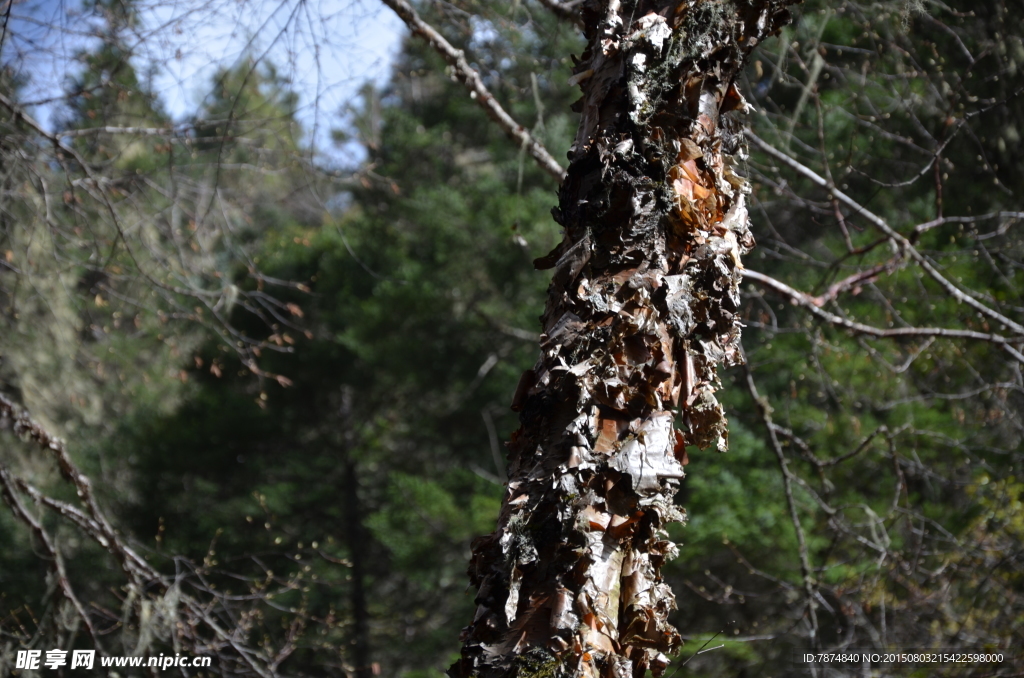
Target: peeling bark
640	311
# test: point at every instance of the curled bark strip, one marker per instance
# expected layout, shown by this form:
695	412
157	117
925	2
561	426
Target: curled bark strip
640	311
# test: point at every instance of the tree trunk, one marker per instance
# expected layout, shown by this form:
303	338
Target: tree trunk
640	311
357	545
355	540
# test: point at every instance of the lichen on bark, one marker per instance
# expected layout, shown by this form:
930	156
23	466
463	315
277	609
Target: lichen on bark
640	312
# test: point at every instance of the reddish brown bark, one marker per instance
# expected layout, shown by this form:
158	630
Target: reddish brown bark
640	311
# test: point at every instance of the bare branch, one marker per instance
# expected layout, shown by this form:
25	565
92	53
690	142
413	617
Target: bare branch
568	11
19	114
904	245
810	585
471	79
1009	216
863	277
7	488
811	304
936	154
96	525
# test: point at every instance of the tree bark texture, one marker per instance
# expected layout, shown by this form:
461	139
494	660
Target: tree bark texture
640	311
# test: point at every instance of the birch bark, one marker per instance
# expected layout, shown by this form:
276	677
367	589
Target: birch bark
640	312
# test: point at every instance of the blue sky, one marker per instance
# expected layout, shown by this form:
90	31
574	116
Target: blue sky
327	47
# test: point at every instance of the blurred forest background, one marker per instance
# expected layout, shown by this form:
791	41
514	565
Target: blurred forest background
283	381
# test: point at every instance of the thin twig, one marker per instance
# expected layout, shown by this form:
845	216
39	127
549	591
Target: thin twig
810	585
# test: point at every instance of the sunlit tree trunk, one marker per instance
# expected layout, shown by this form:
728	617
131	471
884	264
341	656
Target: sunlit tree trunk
640	311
